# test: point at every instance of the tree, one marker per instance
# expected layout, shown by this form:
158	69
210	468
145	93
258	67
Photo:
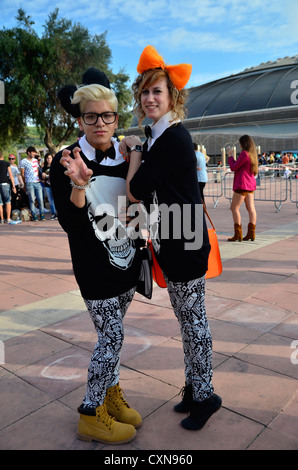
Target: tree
34	69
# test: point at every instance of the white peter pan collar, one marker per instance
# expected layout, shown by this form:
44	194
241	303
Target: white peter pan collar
160	126
89	152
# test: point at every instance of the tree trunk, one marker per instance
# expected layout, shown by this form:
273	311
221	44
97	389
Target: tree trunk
48	139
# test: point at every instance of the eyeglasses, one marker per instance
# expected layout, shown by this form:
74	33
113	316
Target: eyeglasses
90	119
11	158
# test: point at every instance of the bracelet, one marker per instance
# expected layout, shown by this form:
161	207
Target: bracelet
87	185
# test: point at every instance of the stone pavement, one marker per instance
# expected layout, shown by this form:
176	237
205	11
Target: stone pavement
48	338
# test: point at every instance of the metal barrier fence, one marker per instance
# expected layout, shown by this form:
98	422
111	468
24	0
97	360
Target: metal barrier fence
274	184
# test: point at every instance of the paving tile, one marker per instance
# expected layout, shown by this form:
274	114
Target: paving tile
261	318
280	296
286	422
225	430
217	305
288	327
145	393
29	348
136	341
253	391
20	399
229	338
15	297
15	323
55	308
160	297
163	362
74	329
152	318
272	440
272	352
51	427
244	284
58	373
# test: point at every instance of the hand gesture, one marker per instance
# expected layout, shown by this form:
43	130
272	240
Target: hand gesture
76	168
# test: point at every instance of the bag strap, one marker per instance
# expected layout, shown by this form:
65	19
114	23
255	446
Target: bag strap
205	210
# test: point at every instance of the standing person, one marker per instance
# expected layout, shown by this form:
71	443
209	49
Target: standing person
169	173
245	169
30	174
105	261
47	183
5	189
18	182
201	169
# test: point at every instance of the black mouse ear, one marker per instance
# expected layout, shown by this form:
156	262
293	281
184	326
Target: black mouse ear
95	76
90	77
65	95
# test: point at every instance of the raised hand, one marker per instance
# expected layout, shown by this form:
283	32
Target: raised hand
76	168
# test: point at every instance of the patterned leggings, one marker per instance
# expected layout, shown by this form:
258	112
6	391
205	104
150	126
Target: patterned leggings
188	302
103	371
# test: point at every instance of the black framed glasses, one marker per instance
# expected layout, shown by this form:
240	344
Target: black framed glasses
109	117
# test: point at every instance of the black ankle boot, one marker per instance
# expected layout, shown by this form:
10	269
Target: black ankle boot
201	411
185	404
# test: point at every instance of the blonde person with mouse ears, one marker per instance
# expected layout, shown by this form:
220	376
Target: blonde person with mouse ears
87	180
163	175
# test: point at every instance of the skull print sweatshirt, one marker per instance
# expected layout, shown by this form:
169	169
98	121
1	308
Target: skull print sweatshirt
105	260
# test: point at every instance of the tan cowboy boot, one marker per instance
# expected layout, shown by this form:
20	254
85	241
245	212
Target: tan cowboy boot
237	234
251	232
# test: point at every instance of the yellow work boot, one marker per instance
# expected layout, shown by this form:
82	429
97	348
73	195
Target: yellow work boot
98	425
118	407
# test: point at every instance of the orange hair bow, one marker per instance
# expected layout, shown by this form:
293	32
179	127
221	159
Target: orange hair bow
150	59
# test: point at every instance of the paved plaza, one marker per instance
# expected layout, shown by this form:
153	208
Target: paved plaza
252	308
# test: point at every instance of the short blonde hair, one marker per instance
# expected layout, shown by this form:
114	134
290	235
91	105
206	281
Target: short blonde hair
94	92
178	97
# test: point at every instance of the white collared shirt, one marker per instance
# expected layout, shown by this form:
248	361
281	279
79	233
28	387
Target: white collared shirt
89	152
160	126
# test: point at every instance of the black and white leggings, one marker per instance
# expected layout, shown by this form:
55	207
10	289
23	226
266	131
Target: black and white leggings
188	302
103	372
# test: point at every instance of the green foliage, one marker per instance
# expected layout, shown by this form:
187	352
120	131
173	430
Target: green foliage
35	68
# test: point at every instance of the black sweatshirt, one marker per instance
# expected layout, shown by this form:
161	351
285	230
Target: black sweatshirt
104	266
168	177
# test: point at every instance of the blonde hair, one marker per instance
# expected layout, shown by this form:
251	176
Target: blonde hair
247	143
94	92
178	97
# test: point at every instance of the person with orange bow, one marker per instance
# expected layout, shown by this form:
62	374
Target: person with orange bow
163	175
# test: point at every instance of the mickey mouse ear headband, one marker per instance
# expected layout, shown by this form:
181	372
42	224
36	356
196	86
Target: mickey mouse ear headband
150	59
90	77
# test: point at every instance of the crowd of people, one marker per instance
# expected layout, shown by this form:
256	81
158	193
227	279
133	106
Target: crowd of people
25	189
278	158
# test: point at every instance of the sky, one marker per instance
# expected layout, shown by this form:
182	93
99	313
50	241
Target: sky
218	37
